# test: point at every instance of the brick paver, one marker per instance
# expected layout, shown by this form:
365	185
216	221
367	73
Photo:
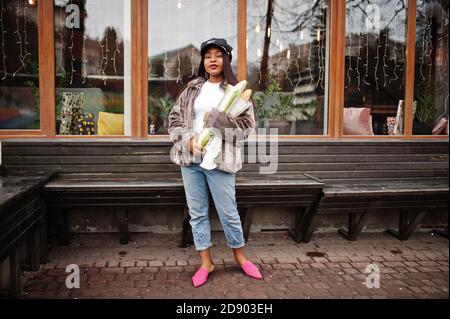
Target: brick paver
153	266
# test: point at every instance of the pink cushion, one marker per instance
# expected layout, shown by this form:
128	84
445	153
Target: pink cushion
357	121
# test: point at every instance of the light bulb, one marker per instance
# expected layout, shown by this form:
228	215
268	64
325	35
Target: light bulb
179	5
268	32
258	28
289	54
318	35
259	53
302	33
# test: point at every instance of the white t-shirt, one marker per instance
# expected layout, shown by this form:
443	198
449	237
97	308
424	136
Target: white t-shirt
209	97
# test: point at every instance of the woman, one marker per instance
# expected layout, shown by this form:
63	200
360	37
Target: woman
193	111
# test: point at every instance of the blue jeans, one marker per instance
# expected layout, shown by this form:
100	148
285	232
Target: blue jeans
222	186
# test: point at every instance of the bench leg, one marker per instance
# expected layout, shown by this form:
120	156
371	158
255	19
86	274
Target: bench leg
43	236
122	218
297	232
246	216
187	238
14	273
62	227
356	223
33	249
407	224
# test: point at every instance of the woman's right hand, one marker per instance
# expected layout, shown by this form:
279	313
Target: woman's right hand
194	146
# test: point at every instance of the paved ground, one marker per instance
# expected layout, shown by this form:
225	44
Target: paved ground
152	266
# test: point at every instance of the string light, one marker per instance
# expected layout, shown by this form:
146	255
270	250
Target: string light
258	28
61	44
19	38
4	32
116	49
179	66
357	61
179	4
72	69
367	62
268	32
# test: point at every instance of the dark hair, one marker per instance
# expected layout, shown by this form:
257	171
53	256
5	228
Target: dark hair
228	74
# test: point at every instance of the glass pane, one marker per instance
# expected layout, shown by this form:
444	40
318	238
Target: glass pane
287	56
176	30
431	72
93	66
19	71
375	67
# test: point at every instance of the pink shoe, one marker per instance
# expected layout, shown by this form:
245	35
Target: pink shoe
251	270
200	277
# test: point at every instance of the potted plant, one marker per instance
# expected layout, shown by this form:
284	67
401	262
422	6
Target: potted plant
426	110
273	108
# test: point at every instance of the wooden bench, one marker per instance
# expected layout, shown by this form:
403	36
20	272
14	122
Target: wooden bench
123	192
22	224
411	199
410	181
337	163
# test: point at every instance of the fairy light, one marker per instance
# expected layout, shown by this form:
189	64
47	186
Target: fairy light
259	53
192	62
3	31
322	49
302	34
297	63
349	70
258	28
116	51
310	50
394	51
268	32
179	4
72	59
179	66
25	32
61	44
19	38
165	64
358	73
378	62
367	62
246	44
386	45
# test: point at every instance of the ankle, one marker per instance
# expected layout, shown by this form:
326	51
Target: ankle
240	259
208	265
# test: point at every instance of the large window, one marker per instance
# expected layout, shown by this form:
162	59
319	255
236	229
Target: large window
287	64
176	30
431	68
19	68
375	64
93	66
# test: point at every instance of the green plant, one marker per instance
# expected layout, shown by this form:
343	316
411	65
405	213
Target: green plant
263	112
307	110
426	103
283	109
159	109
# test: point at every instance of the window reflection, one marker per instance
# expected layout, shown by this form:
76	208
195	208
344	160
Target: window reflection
431	68
176	31
93	64
375	67
19	70
287	64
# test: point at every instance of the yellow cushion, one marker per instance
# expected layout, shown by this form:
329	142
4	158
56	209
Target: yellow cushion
110	124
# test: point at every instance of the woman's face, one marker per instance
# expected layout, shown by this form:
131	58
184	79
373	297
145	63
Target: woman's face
214	62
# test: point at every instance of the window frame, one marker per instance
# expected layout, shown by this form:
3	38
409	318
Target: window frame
139	73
